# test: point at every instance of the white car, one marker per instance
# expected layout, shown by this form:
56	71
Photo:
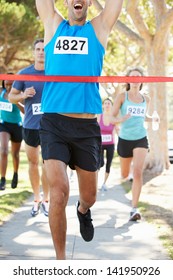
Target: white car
170	145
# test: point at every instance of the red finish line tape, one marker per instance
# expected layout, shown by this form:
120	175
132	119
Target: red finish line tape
88	79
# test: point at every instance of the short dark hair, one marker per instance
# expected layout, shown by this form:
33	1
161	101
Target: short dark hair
38	41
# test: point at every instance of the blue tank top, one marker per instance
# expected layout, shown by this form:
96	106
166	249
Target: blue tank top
73	51
33	113
9	112
133	128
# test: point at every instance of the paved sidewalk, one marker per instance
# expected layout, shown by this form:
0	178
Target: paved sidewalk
27	238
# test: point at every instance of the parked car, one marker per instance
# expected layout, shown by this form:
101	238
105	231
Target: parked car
170	145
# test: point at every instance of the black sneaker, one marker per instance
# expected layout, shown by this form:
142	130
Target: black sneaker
14	181
2	184
86	226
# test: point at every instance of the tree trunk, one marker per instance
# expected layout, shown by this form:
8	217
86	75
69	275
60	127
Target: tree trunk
157	158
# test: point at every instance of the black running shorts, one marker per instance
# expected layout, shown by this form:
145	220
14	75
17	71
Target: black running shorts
14	129
75	141
125	147
31	137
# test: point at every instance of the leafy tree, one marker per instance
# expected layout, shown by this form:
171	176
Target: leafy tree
19	27
28	3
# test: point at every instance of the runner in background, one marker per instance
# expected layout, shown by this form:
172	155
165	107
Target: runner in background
10	130
29	93
108	131
132	140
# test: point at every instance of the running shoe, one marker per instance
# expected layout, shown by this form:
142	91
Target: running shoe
2	184
14	181
104	188
86	226
45	207
135	215
35	209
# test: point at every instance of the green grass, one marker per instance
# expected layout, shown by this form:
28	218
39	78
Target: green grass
168	244
10	199
165	234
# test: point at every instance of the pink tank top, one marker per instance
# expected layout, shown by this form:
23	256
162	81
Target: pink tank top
107	132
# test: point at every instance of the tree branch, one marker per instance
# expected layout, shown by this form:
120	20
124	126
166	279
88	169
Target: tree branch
138	20
164	28
129	33
159	9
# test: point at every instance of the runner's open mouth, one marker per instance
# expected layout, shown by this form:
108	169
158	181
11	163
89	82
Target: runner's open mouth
78	6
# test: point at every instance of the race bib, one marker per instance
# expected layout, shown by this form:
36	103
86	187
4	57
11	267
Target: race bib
71	45
5	106
136	111
106	138
36	109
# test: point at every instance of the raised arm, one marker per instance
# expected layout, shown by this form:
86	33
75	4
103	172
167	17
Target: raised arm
50	16
105	21
111	13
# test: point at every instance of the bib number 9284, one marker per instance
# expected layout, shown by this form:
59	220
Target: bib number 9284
136	111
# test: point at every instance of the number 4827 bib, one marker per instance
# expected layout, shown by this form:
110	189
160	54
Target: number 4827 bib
71	45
